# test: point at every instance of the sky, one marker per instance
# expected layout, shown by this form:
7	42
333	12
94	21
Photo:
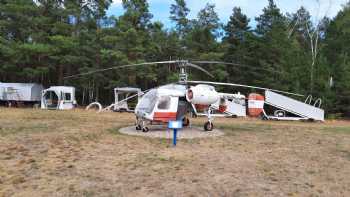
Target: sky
252	8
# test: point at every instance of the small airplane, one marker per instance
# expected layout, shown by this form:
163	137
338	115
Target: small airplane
175	101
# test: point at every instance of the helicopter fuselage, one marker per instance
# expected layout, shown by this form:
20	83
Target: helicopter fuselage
162	104
173	102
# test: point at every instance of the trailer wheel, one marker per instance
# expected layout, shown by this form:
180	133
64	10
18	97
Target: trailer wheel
280	113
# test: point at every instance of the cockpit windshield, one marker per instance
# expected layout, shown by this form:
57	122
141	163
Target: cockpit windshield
148	101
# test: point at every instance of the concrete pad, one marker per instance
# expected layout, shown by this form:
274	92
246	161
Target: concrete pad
161	132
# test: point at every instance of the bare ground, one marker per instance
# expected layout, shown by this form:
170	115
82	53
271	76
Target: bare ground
78	153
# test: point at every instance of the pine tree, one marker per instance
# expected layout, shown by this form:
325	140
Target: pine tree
136	14
204	31
237	27
208	19
337	51
275	50
178	14
271	16
236	41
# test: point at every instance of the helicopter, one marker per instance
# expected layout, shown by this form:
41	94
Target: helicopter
177	100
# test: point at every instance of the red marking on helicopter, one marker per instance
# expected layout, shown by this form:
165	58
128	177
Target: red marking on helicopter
222	108
164	116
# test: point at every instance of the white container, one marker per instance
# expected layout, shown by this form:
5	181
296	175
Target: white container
23	92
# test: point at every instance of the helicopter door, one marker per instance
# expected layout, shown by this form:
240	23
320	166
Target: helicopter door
166	109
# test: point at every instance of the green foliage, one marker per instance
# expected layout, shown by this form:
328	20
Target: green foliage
271	17
337	52
178	14
43	41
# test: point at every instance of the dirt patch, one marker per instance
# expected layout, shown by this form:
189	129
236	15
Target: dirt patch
162	132
78	153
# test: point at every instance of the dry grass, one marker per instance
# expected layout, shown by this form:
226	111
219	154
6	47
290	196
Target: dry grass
77	153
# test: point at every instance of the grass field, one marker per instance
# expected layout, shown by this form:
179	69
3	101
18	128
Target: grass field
79	153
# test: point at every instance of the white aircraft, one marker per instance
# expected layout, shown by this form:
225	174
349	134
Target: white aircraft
175	101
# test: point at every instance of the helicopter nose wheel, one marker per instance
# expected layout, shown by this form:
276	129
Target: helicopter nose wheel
138	127
208	126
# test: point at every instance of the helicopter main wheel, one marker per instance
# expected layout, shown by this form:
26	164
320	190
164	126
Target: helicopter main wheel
138	127
185	122
145	129
208	126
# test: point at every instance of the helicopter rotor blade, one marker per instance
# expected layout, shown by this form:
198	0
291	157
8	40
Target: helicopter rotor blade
200	68
233	64
119	67
240	85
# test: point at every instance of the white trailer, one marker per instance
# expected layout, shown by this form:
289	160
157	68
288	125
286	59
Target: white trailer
304	110
58	98
20	92
121	97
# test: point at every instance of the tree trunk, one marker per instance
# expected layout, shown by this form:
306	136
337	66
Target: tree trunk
60	74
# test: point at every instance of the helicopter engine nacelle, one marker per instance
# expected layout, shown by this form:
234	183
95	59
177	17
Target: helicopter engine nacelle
203	95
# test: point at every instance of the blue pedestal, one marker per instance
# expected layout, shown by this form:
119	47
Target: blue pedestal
175	125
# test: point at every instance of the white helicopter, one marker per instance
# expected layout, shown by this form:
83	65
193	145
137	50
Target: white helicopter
175	101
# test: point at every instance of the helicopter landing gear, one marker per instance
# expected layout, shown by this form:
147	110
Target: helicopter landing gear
185	122
141	126
208	126
145	129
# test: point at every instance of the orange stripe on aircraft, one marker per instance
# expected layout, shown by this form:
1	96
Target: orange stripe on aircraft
164	116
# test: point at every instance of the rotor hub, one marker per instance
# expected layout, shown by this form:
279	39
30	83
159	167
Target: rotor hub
183	76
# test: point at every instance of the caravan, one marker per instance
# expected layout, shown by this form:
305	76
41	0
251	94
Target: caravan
58	98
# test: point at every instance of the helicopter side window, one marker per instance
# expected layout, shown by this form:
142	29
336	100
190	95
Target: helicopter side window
164	102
